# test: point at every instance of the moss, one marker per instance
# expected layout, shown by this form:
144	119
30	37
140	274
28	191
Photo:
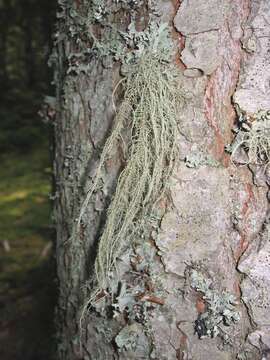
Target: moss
24	193
26	278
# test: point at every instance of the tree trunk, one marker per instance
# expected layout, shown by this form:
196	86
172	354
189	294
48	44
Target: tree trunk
192	280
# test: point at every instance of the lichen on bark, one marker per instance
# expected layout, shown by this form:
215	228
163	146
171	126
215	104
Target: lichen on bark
214	215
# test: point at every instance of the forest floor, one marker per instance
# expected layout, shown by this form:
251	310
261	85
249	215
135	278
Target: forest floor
27	270
27	279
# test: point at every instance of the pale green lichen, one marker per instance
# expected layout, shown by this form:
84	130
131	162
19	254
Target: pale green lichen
111	42
132	340
150	107
127	338
252	136
220	307
197	159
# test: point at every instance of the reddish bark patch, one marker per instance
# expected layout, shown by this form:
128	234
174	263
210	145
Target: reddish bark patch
200	305
243	245
210	99
176	35
151	298
237	289
183	343
250	198
218	107
248	207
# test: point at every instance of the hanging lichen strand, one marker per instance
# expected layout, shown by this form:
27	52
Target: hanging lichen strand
152	101
148	114
152	95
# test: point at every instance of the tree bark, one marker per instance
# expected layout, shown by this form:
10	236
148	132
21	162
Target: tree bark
211	241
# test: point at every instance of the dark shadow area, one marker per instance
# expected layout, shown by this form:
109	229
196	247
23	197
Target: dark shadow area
27	269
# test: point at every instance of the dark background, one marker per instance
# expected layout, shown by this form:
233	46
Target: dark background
27	275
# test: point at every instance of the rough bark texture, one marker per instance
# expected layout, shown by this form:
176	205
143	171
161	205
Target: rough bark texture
214	220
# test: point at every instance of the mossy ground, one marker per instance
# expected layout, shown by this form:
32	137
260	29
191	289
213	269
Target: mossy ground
26	277
24	210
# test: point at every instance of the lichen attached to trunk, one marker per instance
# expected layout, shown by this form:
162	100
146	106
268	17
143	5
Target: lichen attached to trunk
151	104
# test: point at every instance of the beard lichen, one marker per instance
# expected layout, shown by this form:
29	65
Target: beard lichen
151	104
